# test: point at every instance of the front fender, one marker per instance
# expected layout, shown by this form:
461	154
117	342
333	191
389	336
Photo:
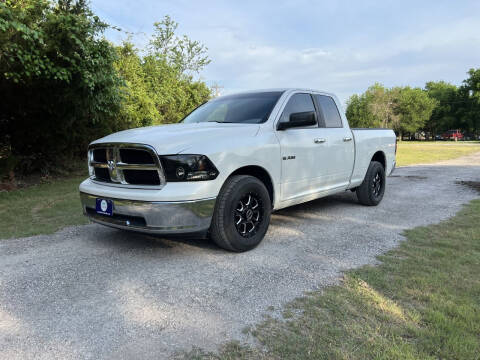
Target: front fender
229	155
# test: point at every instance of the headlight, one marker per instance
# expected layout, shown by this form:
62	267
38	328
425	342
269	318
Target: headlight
188	168
91	170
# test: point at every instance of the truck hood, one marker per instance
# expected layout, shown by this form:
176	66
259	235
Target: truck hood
177	138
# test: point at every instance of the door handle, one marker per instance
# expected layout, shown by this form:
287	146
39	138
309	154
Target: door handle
347	138
319	140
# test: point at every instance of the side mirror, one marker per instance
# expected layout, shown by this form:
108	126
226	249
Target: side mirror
300	119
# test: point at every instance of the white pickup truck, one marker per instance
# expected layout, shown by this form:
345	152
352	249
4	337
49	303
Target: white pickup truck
230	163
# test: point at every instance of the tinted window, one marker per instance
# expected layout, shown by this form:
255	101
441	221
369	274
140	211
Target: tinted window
297	103
330	111
251	108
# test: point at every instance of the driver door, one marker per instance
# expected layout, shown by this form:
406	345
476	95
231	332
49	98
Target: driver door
302	172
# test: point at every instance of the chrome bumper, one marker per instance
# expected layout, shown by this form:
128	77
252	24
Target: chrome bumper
162	217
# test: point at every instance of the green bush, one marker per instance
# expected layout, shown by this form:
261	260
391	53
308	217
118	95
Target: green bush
63	84
59	86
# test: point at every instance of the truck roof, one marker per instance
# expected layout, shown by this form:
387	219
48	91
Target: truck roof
282	90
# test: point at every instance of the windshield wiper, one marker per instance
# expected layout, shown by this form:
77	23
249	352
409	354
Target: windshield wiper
221	122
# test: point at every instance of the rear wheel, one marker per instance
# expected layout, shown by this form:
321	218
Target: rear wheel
242	214
371	191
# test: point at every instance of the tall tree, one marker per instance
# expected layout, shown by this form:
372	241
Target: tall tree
160	87
170	65
374	108
444	114
404	109
381	105
64	85
138	102
186	55
413	107
469	96
358	112
57	79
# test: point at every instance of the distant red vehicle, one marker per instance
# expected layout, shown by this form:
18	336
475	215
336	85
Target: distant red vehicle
452	135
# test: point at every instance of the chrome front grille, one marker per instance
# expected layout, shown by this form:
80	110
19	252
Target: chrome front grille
124	164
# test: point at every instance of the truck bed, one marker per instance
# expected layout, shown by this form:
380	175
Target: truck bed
367	143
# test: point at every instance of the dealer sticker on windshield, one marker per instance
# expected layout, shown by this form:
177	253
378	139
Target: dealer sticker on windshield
104	207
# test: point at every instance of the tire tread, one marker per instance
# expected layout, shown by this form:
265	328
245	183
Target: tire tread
364	193
217	229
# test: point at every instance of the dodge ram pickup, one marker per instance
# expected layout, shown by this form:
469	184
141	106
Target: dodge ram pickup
230	163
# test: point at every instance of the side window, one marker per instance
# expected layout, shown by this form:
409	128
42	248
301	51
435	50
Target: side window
297	103
330	111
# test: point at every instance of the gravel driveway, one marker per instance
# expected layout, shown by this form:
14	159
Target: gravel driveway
91	292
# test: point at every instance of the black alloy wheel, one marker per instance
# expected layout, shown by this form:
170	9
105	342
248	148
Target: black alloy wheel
248	215
242	213
377	184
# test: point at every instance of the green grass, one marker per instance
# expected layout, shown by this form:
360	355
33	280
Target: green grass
41	209
421	302
423	152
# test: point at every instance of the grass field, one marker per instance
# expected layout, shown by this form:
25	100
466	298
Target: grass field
422	302
40	209
423	152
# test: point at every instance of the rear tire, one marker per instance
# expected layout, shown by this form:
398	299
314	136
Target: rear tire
371	191
242	214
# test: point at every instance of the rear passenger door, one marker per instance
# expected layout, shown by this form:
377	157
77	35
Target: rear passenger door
339	149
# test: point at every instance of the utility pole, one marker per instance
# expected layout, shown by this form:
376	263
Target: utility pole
216	89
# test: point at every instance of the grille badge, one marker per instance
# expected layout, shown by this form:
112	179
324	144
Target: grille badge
112	160
111	165
112	168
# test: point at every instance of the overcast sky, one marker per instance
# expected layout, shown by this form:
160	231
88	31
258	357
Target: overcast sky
336	46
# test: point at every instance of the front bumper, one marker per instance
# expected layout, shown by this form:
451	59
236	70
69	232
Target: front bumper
161	217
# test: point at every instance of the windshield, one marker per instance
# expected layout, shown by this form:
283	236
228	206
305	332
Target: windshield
251	108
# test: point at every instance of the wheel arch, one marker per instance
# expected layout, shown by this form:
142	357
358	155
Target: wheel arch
381	158
261	174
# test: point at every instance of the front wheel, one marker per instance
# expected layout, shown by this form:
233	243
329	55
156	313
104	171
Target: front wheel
242	214
371	191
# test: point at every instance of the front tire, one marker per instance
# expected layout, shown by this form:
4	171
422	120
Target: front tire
371	191
242	214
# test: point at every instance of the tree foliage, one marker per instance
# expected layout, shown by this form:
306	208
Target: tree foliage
154	91
439	107
443	116
413	107
182	53
358	112
159	87
374	108
63	84
57	79
138	105
468	99
381	105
